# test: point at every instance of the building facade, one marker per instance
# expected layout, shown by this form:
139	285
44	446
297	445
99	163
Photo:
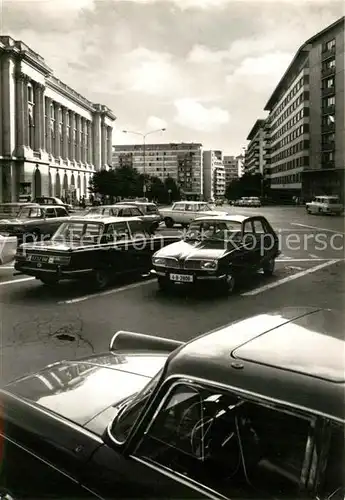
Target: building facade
306	120
180	161
214	175
52	139
254	162
231	168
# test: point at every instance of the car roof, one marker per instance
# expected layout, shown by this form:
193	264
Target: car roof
136	203
226	218
115	205
37	205
103	220
295	356
193	202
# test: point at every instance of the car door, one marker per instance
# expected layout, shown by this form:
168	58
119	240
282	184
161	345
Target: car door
250	256
142	247
191	212
23	474
117	246
178	213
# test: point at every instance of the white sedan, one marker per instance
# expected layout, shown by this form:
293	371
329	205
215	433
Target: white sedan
8	248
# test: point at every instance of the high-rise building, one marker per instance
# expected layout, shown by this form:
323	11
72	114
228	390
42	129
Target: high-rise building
306	119
231	168
180	161
52	139
254	162
214	175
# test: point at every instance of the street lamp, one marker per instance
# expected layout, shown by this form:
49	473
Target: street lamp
144	147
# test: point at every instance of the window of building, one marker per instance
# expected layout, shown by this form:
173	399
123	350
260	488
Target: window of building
31	113
329	45
52	124
330	82
330	101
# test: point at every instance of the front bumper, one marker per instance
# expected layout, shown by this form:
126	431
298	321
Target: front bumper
197	275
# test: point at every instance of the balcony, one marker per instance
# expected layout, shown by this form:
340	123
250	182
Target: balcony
328	72
328	165
327	54
328	110
328	146
328	91
327	127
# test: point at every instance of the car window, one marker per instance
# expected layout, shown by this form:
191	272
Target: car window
334	480
151	209
126	212
79	232
179	206
50	212
191	208
258	226
106	211
212	437
137	229
136	212
61	212
248	227
33	213
119	231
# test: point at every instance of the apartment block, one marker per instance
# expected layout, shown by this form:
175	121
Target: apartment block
52	139
306	120
231	167
254	162
180	161
214	175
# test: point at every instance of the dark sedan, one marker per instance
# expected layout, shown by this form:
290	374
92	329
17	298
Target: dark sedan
248	411
92	249
219	249
34	222
126	210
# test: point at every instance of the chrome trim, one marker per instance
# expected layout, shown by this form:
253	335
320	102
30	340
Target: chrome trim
176	476
53	415
42	460
212	278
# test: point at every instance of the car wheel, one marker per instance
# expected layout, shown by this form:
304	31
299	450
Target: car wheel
320	211
229	284
100	279
268	267
49	280
169	222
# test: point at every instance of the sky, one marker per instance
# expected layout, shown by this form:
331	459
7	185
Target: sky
202	69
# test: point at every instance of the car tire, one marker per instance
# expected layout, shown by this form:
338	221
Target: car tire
229	284
268	267
163	284
169	223
100	279
49	280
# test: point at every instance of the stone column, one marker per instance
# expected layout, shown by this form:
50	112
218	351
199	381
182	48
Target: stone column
96	140
57	148
82	139
72	138
42	118
20	124
26	111
64	153
109	146
38	89
89	145
103	143
78	141
47	127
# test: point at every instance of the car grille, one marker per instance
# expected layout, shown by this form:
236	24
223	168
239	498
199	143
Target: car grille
172	263
192	264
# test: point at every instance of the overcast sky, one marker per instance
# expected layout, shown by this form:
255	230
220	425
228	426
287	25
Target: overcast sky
204	69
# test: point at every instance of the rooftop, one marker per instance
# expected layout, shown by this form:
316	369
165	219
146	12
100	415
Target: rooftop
300	54
295	356
256	127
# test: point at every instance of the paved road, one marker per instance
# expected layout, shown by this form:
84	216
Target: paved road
33	317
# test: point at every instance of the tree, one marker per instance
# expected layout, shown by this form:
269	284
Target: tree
172	189
247	185
103	182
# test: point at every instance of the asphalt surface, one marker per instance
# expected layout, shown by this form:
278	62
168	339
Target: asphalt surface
41	325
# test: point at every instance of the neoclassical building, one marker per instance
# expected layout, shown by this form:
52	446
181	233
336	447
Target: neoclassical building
52	139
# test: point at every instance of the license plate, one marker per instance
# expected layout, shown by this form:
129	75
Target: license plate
182	278
37	258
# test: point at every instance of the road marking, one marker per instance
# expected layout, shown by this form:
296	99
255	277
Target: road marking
290	259
21	280
264	288
318	228
6	267
107	292
313	256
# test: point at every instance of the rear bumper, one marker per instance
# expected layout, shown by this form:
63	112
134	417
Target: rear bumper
57	272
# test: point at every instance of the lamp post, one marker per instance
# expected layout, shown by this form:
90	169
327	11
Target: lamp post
144	148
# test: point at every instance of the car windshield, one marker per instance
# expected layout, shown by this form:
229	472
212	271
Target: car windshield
213	230
30	213
130	411
79	232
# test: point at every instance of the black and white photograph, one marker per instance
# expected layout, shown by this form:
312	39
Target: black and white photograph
172	265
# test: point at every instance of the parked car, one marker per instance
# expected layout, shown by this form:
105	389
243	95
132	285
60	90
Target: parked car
34	222
9	211
92	249
254	410
325	205
184	212
8	247
124	210
150	211
253	201
51	200
221	250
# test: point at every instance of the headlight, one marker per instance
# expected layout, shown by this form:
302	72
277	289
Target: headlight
209	265
158	261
